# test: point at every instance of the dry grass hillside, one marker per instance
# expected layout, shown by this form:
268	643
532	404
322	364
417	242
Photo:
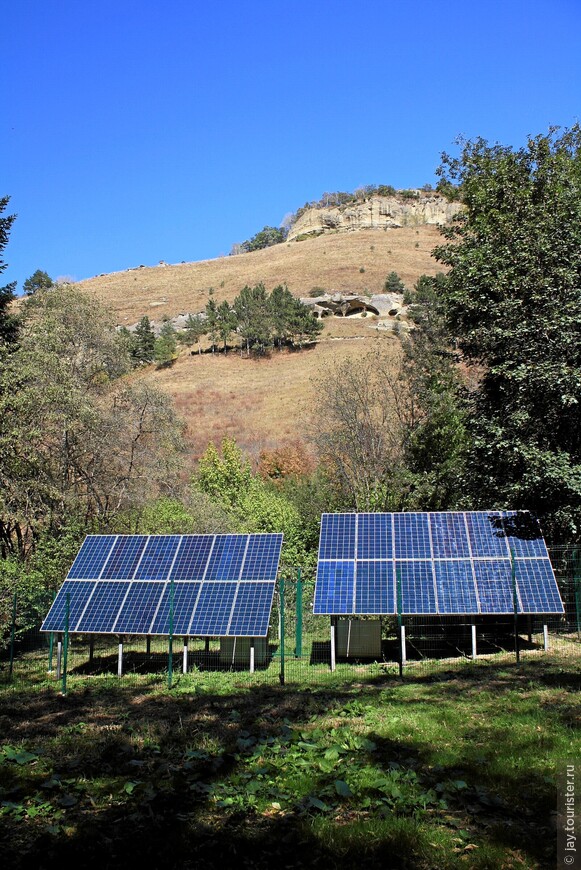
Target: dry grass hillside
355	262
267	402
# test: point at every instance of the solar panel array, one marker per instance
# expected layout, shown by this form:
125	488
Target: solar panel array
435	563
223	585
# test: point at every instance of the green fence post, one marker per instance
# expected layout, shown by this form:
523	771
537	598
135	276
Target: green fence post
514	605
66	641
170	647
577	588
281	608
51	645
399	621
299	617
12	636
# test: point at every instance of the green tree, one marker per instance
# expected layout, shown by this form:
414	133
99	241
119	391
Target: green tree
39	281
225	475
211	322
144	350
8	320
195	329
226	322
267	237
394	284
512	298
254	315
165	348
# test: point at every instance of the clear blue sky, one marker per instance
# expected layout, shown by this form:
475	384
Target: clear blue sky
133	131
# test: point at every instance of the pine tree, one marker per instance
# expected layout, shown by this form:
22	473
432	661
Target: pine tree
145	341
8	321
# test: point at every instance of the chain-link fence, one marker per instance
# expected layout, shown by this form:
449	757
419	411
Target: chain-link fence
300	648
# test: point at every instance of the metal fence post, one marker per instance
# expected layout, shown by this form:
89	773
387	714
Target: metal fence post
299	617
281	614
514	605
170	645
401	629
66	641
577	589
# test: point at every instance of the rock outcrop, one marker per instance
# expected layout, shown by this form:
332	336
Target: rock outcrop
349	305
376	212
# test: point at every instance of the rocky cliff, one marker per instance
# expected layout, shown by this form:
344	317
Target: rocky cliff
376	212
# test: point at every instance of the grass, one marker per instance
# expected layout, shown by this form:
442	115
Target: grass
453	768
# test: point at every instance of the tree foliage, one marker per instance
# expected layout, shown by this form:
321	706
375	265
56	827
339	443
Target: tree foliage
38	281
513	300
8	320
267	237
144	345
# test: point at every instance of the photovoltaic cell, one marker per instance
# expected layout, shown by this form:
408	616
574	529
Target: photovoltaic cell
412	536
455	586
184	600
124	557
494	583
449	536
226	559
374	590
337	536
334	587
524	536
262	556
374	536
91	557
487	535
212	614
103	607
79	592
417	587
252	610
157	557
192	557
538	588
139	608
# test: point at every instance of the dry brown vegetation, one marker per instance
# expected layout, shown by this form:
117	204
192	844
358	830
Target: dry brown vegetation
267	402
332	262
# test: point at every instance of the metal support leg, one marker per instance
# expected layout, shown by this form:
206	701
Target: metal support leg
91	648
251	655
120	658
148	645
546	637
59	656
403	646
185	658
474	653
333	638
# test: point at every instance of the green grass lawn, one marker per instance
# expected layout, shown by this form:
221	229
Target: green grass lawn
452	769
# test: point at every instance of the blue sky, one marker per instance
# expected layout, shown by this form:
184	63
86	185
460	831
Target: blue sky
133	131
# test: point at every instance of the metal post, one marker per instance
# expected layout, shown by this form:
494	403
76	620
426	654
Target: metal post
546	637
299	619
148	645
207	645
530	628
577	587
185	658
12	636
514	605
91	648
402	651
66	641
281	628
170	645
333	644
251	655
59	656
474	653
120	657
50	651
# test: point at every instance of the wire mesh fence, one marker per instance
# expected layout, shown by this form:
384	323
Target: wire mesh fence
301	648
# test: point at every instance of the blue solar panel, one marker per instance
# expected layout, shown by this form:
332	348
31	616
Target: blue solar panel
212	614
192	557
537	586
449	563
157	557
226	558
412	536
139	608
185	596
494	584
262	557
102	609
374	536
455	586
134	575
417	587
251	612
79	592
337	536
91	557
124	557
374	590
334	588
487	536
449	536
